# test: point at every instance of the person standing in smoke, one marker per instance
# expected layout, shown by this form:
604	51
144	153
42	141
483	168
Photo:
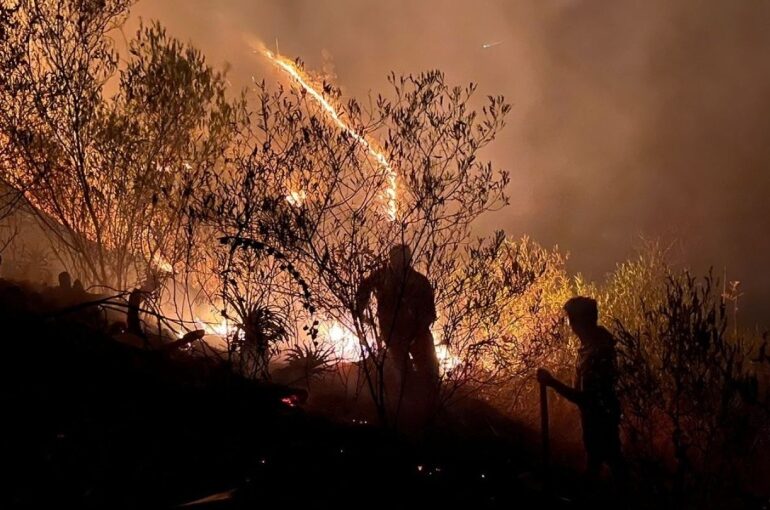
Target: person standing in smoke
406	309
594	391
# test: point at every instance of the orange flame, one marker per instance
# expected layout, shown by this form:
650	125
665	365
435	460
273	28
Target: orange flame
296	198
161	264
391	193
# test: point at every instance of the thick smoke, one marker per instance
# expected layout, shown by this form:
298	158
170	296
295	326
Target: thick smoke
631	119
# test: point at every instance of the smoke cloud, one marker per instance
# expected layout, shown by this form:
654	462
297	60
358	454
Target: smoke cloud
630	119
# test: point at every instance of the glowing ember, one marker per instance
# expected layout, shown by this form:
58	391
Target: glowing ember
390	194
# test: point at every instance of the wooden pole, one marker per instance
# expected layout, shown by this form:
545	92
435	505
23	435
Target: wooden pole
544	434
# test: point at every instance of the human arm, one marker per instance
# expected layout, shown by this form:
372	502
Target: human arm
431	300
572	394
364	292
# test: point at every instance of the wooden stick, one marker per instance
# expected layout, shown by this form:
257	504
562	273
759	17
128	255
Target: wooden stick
544	434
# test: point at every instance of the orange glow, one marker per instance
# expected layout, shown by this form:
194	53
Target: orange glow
223	329
162	264
390	194
343	341
446	360
296	198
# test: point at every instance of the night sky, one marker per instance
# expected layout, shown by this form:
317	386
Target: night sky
631	120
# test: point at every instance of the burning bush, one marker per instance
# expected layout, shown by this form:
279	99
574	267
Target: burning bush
505	302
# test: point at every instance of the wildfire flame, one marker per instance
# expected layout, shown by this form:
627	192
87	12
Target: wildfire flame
162	264
343	341
347	348
446	360
296	198
391	193
222	329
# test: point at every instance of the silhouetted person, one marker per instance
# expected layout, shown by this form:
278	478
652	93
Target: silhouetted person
78	288
594	391
65	281
62	294
406	309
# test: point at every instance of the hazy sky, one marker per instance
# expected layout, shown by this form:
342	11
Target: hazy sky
630	118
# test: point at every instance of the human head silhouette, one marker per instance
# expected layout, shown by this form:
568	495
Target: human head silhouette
400	257
65	280
583	314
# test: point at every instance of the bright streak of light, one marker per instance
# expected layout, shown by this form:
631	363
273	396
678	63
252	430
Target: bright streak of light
491	45
391	193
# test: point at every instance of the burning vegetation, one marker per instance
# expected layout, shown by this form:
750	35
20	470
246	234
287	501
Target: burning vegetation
224	236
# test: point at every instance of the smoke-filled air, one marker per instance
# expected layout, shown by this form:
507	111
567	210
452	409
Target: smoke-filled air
360	254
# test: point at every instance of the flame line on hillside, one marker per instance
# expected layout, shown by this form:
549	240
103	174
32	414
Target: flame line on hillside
391	193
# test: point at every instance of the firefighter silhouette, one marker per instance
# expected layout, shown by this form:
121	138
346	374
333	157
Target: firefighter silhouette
406	309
